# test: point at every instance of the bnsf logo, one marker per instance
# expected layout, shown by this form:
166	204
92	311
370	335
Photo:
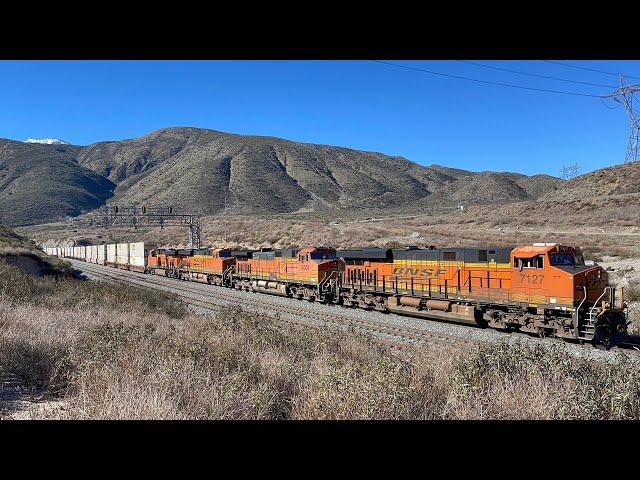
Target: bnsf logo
427	272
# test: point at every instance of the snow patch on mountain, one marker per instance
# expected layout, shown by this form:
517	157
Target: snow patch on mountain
47	141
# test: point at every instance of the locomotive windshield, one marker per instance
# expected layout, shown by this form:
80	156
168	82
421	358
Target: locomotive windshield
323	255
566	259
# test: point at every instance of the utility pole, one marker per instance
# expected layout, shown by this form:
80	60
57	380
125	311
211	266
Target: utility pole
624	96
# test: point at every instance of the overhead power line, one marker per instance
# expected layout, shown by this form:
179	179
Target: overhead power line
588	69
459	77
535	74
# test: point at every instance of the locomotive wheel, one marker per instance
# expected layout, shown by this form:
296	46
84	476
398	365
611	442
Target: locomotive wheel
602	339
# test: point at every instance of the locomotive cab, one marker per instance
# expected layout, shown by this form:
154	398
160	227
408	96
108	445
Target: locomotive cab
322	262
223	259
550	276
555	275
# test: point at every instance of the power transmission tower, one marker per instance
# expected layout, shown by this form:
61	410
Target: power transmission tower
624	96
112	216
567	172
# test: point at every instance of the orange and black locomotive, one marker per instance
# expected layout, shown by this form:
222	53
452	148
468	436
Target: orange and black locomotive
545	288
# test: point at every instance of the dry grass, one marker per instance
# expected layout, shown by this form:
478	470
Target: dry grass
145	356
504	381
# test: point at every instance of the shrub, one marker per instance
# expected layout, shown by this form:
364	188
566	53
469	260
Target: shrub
632	292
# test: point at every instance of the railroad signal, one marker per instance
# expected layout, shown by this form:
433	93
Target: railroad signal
143	217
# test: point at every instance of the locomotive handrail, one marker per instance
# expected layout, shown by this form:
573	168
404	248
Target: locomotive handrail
594	307
584	299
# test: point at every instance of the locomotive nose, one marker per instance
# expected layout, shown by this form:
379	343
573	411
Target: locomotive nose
594	280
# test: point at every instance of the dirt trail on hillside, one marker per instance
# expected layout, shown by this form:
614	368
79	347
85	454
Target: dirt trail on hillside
18	404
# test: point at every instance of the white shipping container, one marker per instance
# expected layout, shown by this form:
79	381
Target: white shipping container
122	254
137	255
87	253
111	253
102	254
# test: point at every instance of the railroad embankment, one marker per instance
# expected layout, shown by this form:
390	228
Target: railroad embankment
23	254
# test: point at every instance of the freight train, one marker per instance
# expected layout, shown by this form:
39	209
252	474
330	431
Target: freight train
545	289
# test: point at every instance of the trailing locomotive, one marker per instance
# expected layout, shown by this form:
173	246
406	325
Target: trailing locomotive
204	265
544	289
313	273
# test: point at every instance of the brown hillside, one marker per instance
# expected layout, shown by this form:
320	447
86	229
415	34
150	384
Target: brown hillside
41	182
195	169
623	179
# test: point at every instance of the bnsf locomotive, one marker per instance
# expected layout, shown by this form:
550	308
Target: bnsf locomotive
544	289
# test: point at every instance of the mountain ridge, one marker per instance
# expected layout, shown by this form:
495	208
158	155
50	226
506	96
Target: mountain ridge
194	169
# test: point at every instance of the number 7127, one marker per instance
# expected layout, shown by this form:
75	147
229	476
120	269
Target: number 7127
531	278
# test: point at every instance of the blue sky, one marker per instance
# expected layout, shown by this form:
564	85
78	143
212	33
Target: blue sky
356	104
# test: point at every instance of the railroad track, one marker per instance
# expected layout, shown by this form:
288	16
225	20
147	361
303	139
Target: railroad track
395	331
209	298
